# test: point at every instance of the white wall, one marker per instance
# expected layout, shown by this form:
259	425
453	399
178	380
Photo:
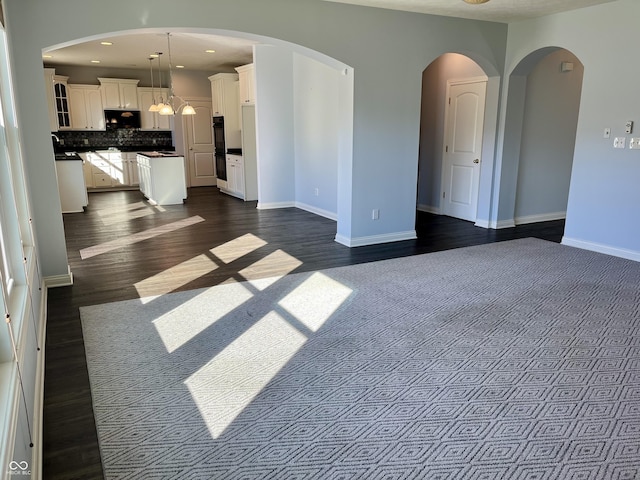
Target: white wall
387	71
316	113
274	126
549	127
604	196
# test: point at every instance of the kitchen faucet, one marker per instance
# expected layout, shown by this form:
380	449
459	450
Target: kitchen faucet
56	137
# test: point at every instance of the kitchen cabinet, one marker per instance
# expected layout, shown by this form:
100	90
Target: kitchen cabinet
58	99
119	93
226	103
152	120
49	73
247	87
130	160
235	176
162	178
85	103
105	169
224	94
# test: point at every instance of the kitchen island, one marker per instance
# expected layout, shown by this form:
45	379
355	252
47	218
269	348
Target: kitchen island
162	177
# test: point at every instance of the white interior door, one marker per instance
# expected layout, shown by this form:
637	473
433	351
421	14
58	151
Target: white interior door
198	132
463	147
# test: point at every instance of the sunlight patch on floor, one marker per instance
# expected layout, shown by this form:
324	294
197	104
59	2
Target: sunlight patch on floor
188	320
137	237
315	300
270	269
238	247
172	278
118	209
226	385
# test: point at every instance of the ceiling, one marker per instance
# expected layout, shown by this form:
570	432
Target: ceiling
504	11
188	49
132	51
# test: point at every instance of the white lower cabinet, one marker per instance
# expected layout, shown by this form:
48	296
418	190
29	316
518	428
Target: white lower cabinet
162	179
235	176
109	169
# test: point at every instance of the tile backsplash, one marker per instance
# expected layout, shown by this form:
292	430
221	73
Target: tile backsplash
121	138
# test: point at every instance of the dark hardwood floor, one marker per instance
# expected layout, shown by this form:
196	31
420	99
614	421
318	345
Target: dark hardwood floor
122	218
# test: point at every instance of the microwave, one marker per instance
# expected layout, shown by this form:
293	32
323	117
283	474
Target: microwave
115	119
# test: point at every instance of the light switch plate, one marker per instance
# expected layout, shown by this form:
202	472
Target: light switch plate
607	132
634	143
619	142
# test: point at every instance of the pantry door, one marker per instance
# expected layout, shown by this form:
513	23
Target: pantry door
198	132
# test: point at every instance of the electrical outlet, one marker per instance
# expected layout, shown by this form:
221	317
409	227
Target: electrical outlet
375	214
86	141
628	128
619	142
607	132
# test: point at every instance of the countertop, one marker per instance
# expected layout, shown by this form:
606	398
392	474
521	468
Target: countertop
159	154
63	156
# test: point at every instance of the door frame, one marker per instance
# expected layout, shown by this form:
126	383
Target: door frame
450	83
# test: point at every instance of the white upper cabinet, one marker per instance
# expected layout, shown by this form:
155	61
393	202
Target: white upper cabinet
51	99
119	93
224	94
247	84
86	107
152	120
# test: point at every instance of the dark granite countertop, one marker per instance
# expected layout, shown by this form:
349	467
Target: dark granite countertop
94	148
63	156
163	153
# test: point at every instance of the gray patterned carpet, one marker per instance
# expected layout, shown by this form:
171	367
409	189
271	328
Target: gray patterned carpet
517	360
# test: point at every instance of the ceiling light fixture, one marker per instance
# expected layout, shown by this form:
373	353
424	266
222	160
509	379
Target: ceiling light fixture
108	44
209	51
95	61
475	2
168	108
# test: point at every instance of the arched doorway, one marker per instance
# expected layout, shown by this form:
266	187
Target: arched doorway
444	74
543	102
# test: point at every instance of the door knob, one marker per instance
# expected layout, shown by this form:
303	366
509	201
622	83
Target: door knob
477	160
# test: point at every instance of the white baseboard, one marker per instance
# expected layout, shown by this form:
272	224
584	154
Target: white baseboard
269	206
544	217
375	239
317	211
496	224
428	208
481	222
601	248
59	280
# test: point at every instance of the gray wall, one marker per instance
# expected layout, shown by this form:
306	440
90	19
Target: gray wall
550	120
434	87
602	210
387	64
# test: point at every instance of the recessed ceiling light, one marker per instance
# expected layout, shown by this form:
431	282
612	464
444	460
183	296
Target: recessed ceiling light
209	51
179	66
47	56
106	43
95	61
154	55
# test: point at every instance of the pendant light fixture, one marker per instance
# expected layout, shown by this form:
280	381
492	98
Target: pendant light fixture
168	108
160	104
153	107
